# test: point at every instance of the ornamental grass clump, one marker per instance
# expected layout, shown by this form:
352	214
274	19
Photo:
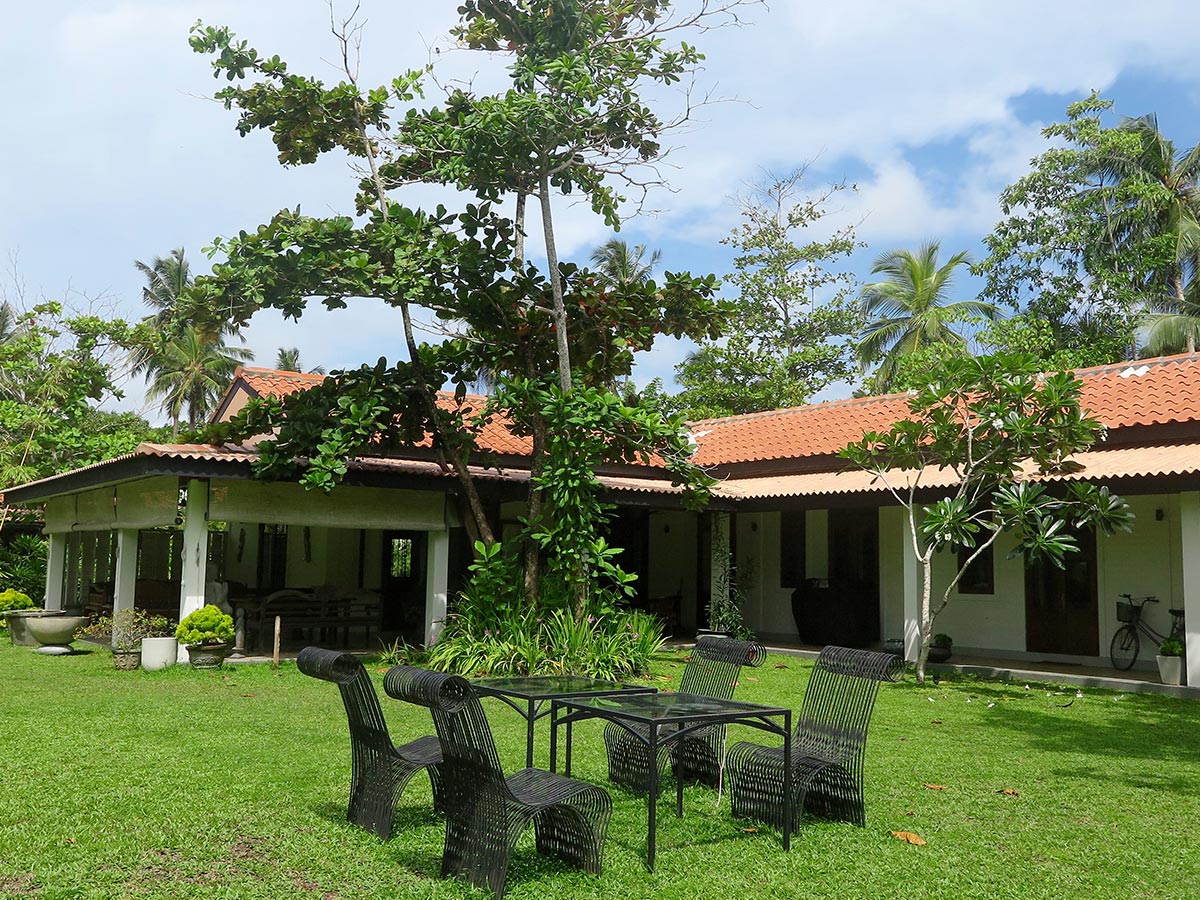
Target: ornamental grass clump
207	625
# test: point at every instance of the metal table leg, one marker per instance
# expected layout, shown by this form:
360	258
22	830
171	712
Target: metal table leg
652	797
787	781
530	717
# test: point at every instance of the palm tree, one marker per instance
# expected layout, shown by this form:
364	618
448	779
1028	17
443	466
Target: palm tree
622	265
10	322
910	309
191	373
288	360
1156	200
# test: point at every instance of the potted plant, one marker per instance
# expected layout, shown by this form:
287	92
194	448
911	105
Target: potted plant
16	607
126	629
208	635
940	648
1170	661
159	647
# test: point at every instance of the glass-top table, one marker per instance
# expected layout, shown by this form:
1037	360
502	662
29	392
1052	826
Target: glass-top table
529	695
661	719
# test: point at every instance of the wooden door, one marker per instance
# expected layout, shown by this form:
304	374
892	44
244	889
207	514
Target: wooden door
854	574
1061	605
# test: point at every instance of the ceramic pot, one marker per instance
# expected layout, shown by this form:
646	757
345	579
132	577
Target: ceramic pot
1170	669
127	660
939	654
55	633
159	652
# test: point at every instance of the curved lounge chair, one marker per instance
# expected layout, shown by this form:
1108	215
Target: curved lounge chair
486	812
379	770
828	745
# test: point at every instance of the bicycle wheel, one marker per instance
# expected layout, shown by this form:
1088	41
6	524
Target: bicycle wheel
1124	647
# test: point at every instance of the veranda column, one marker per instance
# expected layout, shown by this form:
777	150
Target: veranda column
125	583
437	578
71	578
56	563
1189	528
195	551
911	575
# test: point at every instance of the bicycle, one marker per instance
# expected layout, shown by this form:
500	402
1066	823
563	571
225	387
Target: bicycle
1123	651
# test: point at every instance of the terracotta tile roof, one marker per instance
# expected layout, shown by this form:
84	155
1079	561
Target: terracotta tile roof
496	437
1126	462
276	382
1146	392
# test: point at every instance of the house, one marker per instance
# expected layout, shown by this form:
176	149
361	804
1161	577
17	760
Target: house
821	551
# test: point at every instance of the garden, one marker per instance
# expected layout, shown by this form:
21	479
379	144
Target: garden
233	783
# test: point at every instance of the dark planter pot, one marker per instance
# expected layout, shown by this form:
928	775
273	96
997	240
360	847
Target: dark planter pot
710	632
939	654
127	660
208	656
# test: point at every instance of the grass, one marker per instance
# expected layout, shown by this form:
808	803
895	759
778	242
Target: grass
233	784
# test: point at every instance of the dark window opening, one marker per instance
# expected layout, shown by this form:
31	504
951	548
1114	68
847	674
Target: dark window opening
792	551
980	575
272	556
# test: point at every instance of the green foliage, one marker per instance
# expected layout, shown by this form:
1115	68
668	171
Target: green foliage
125	628
23	565
54	371
941	639
1170	647
206	625
399	653
1102	231
909	311
12	599
785	339
985	419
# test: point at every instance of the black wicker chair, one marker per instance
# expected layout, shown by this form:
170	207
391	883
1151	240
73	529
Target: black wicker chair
486	812
379	770
712	671
828	745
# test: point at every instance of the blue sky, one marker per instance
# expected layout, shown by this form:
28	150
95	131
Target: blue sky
111	151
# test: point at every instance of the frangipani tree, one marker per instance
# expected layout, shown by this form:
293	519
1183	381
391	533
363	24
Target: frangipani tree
998	425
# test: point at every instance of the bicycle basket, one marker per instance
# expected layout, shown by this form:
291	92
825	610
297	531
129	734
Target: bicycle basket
1125	612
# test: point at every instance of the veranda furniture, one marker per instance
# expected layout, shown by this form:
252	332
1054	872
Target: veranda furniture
711	671
660	721
825	772
486	812
379	770
531	694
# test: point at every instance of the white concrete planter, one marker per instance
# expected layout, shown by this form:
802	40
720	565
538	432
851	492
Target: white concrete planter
1170	669
159	652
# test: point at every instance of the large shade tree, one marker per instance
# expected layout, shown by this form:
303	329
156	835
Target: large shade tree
571	122
911	309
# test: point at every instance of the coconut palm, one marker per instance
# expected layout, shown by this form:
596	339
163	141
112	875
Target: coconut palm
910	309
623	265
10	322
1156	201
190	374
288	360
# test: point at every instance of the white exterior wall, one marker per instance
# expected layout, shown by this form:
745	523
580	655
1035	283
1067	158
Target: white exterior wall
768	604
673	565
1146	561
989	621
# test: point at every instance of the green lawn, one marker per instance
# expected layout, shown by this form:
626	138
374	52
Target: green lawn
233	784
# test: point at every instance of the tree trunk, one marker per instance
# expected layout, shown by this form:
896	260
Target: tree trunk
556	286
925	623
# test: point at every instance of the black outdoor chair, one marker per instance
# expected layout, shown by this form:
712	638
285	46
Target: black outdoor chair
828	745
379	770
712	671
486	812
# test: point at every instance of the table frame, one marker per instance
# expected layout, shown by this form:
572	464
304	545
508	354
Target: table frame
533	705
737	713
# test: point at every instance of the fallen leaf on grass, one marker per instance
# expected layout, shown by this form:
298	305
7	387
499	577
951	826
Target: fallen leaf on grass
935	787
755	680
750	830
1008	791
935	721
909	838
781	665
249	695
69	840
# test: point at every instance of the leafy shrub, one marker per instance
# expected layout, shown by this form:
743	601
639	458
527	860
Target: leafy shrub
207	625
126	627
1170	647
23	566
942	640
11	599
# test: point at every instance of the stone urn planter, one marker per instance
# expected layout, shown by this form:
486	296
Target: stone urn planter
159	652
16	620
208	656
127	660
55	633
